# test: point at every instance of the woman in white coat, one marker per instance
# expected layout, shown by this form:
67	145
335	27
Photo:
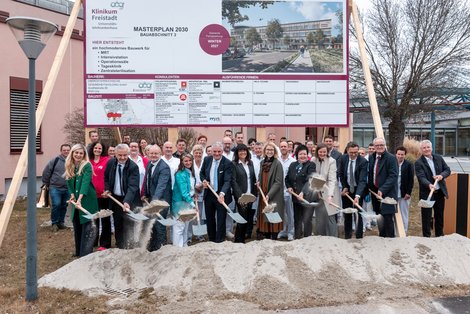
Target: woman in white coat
325	214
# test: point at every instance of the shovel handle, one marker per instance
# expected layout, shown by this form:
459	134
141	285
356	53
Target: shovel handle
216	196
296	195
332	204
262	195
432	189
116	201
376	195
81	208
357	205
197	210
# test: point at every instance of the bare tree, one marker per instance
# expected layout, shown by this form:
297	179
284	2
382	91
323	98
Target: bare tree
412	46
73	127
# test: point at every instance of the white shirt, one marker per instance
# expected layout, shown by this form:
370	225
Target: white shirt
247	170
228	155
256	164
433	169
173	163
140	164
285	166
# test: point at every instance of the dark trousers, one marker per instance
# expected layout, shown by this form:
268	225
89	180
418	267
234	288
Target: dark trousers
348	218
241	229
426	216
249	222
302	220
120	220
103	239
84	235
215	217
387	227
158	236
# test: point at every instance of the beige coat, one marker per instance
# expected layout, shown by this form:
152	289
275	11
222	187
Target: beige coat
327	169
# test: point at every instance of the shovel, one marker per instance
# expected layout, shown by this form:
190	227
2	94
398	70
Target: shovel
348	210
387	200
101	214
246	198
317	182
352	201
427	203
130	213
303	200
199	230
272	216
154	206
168	222
235	216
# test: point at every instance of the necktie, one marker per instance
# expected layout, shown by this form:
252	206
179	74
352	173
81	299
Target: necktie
149	177
352	180
376	179
120	178
215	182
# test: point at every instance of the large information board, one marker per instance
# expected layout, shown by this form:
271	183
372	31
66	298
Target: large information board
214	62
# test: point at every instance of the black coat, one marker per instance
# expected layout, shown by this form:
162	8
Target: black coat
239	180
387	179
424	174
130	181
297	181
360	174
407	178
224	178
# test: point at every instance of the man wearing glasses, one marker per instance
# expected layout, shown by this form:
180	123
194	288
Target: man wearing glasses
383	176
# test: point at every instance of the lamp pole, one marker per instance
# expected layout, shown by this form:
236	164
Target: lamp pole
32	35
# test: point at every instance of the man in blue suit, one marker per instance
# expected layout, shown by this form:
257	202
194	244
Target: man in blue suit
157	186
352	173
383	176
216	170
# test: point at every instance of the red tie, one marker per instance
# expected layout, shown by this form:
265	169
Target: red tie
376	179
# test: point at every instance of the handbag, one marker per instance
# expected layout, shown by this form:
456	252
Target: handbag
43	200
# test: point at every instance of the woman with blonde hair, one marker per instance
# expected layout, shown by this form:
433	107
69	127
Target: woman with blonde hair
271	182
78	175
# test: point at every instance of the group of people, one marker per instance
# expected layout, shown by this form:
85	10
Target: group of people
212	177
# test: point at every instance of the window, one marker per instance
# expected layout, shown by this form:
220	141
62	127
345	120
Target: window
19	114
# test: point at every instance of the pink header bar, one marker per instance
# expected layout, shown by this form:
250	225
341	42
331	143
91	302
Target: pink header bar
231	76
120	96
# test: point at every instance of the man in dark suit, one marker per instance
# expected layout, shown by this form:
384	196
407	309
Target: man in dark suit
429	168
216	170
352	173
383	176
333	152
157	186
121	180
406	180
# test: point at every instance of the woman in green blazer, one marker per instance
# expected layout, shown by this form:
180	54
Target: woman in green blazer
78	174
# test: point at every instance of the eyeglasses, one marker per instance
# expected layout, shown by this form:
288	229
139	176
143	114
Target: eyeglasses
379	145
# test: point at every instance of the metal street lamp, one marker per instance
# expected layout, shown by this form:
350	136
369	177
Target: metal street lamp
32	35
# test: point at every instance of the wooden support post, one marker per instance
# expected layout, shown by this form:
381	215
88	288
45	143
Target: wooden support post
261	135
41	109
173	135
374	108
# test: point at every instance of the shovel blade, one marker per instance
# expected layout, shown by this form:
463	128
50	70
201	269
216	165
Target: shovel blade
426	203
238	218
90	216
273	217
137	216
167	222
199	230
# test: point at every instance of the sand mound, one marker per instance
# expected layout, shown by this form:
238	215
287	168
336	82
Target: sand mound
272	274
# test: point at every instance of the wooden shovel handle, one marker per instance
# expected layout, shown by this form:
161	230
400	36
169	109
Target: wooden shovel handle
116	201
197	210
262	195
81	208
432	189
216	196
355	204
376	195
147	202
296	195
331	203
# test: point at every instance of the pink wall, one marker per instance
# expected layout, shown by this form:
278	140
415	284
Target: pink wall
66	94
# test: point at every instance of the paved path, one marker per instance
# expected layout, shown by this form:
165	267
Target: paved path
303	64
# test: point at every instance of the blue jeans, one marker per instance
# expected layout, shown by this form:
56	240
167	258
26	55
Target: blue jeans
59	200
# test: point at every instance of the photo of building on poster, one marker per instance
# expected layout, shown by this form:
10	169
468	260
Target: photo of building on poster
284	36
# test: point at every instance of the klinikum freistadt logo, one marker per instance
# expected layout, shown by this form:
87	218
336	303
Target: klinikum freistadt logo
116	4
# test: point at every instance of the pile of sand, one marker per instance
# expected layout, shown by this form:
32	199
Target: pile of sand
272	274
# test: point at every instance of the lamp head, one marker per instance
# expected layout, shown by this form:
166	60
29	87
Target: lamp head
31	33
